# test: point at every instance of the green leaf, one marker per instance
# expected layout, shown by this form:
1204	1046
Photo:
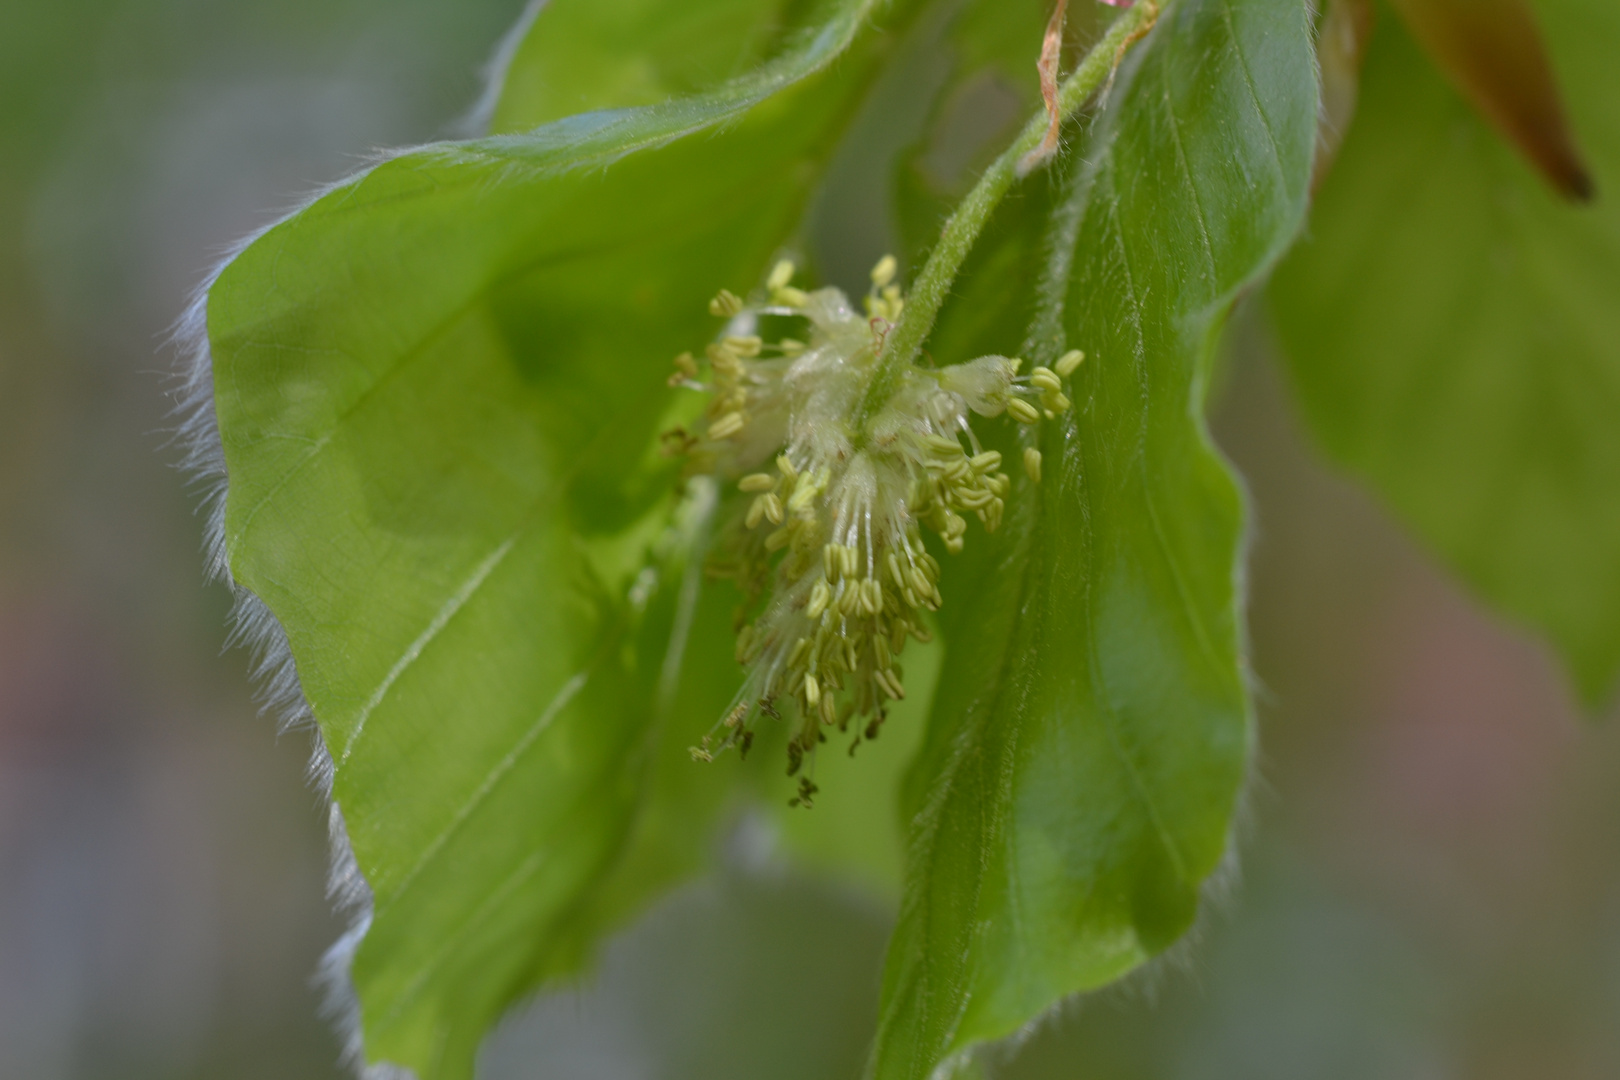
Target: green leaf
439	389
1091	730
574	56
1452	329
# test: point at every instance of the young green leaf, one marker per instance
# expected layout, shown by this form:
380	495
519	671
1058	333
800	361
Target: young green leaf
1452	330
574	56
1091	730
439	389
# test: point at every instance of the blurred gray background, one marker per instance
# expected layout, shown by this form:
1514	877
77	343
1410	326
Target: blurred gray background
1431	884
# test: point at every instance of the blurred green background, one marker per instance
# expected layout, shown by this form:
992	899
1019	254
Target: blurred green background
1430	881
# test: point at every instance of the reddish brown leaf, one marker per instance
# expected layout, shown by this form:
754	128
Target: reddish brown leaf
1492	51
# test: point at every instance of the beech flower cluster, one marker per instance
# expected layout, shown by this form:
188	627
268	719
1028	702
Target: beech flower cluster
826	542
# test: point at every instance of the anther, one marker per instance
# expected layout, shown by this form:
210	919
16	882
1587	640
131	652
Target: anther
781	274
1046	379
1071	360
756	482
726	305
744	345
728	425
987	462
883	273
1021	410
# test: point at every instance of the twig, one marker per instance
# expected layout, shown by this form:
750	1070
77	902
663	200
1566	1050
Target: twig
904	343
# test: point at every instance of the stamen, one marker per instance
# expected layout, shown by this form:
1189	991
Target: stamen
1022	411
1032	463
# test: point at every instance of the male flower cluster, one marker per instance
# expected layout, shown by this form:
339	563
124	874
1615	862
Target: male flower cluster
827	542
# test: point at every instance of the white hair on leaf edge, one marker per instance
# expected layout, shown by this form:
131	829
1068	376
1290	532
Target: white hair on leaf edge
254	627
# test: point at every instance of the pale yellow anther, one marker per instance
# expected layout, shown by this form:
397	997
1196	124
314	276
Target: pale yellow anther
987	462
820	597
1056	402
812	690
746	345
773	507
779	539
781	274
728	425
724	360
784	465
891	304
756	482
1032	463
883	273
1023	411
920	582
1046	379
801	649
874	596
791	297
756	512
1071	360
726	305
791	346
895	571
892	685
686	365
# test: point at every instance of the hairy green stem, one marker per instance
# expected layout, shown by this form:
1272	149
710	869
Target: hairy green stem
928	293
